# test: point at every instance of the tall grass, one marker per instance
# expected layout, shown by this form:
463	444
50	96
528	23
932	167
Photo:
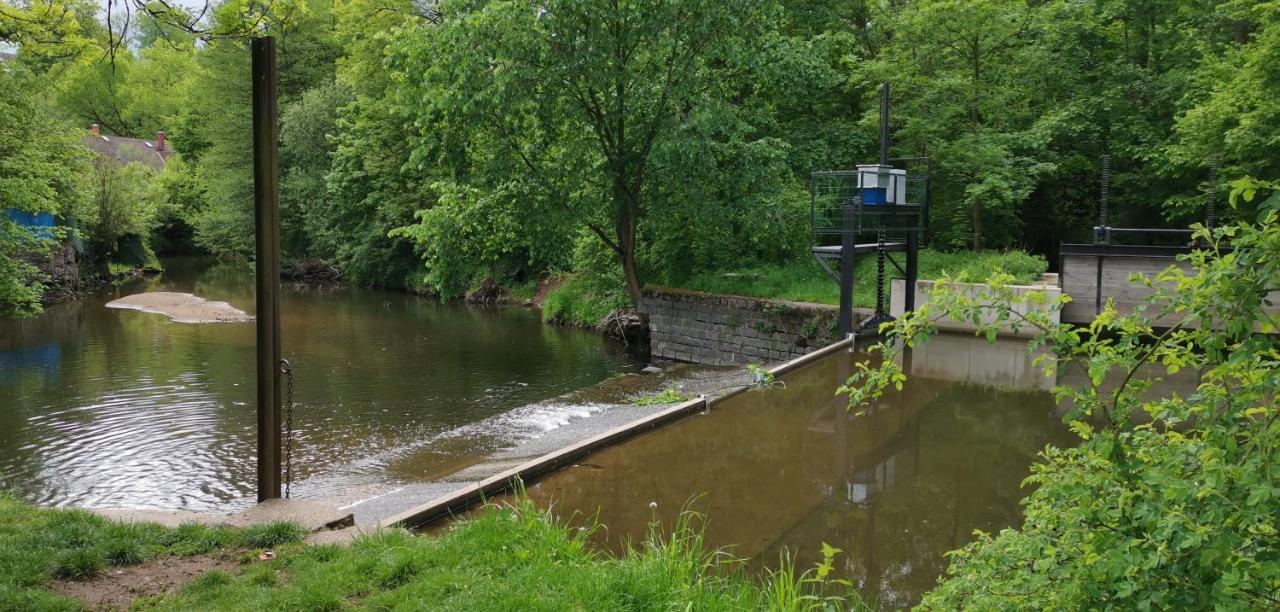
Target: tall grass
513	557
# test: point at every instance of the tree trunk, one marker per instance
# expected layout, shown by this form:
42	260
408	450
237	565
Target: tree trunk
626	211
977	225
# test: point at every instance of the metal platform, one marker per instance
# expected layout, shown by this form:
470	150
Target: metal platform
833	252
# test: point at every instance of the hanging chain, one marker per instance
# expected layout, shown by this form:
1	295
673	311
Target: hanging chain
286	368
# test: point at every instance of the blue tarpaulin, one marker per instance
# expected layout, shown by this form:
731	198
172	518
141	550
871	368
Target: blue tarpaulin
37	220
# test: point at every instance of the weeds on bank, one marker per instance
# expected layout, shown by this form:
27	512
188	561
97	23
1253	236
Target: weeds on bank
668	395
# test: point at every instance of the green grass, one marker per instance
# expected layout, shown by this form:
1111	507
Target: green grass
510	558
804	280
513	558
582	301
41	544
521	291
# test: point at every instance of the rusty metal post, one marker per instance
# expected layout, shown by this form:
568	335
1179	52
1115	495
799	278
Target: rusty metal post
266	201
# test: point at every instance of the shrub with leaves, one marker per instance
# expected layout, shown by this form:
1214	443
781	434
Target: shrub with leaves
1169	501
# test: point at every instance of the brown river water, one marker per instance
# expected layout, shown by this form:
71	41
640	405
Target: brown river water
789	468
118	408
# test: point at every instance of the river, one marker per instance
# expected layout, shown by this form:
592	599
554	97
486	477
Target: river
117	408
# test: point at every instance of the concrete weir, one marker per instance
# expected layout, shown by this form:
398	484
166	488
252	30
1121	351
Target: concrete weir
464	497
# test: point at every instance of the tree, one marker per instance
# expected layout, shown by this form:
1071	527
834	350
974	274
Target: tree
124	204
42	169
214	132
1168	502
308	126
128	95
562	104
951	64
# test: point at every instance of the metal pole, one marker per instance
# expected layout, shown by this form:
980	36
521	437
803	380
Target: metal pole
1103	232
847	244
266	200
912	271
1103	211
884	123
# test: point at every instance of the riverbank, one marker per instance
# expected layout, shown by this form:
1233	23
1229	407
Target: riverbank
586	301
516	557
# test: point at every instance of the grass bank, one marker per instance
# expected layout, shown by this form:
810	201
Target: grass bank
504	559
41	545
584	301
804	280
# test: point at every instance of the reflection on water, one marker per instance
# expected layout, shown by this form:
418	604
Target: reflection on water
791	468
107	407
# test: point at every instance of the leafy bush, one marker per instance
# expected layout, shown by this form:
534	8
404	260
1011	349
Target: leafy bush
1169	502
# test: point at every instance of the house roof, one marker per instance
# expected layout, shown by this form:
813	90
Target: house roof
7	55
128	150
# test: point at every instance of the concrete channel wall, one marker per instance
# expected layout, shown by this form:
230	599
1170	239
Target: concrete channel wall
729	330
1080	281
1047	285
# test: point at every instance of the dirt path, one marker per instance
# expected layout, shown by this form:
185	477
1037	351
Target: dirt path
117	588
545	287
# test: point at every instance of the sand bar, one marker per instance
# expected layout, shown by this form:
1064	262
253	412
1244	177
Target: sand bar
182	307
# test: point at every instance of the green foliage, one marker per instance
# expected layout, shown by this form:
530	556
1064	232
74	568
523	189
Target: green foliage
762	378
128	95
371	192
179	196
1169	501
308	126
214	136
794	591
668	395
588	296
125	203
596	109
42	169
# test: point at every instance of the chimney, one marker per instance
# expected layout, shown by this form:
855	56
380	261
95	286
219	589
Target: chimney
93	129
159	141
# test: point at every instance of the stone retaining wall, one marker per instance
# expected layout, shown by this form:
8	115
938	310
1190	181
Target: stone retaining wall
728	330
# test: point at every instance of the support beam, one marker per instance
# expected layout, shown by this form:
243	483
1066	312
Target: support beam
847	243
913	270
266	201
